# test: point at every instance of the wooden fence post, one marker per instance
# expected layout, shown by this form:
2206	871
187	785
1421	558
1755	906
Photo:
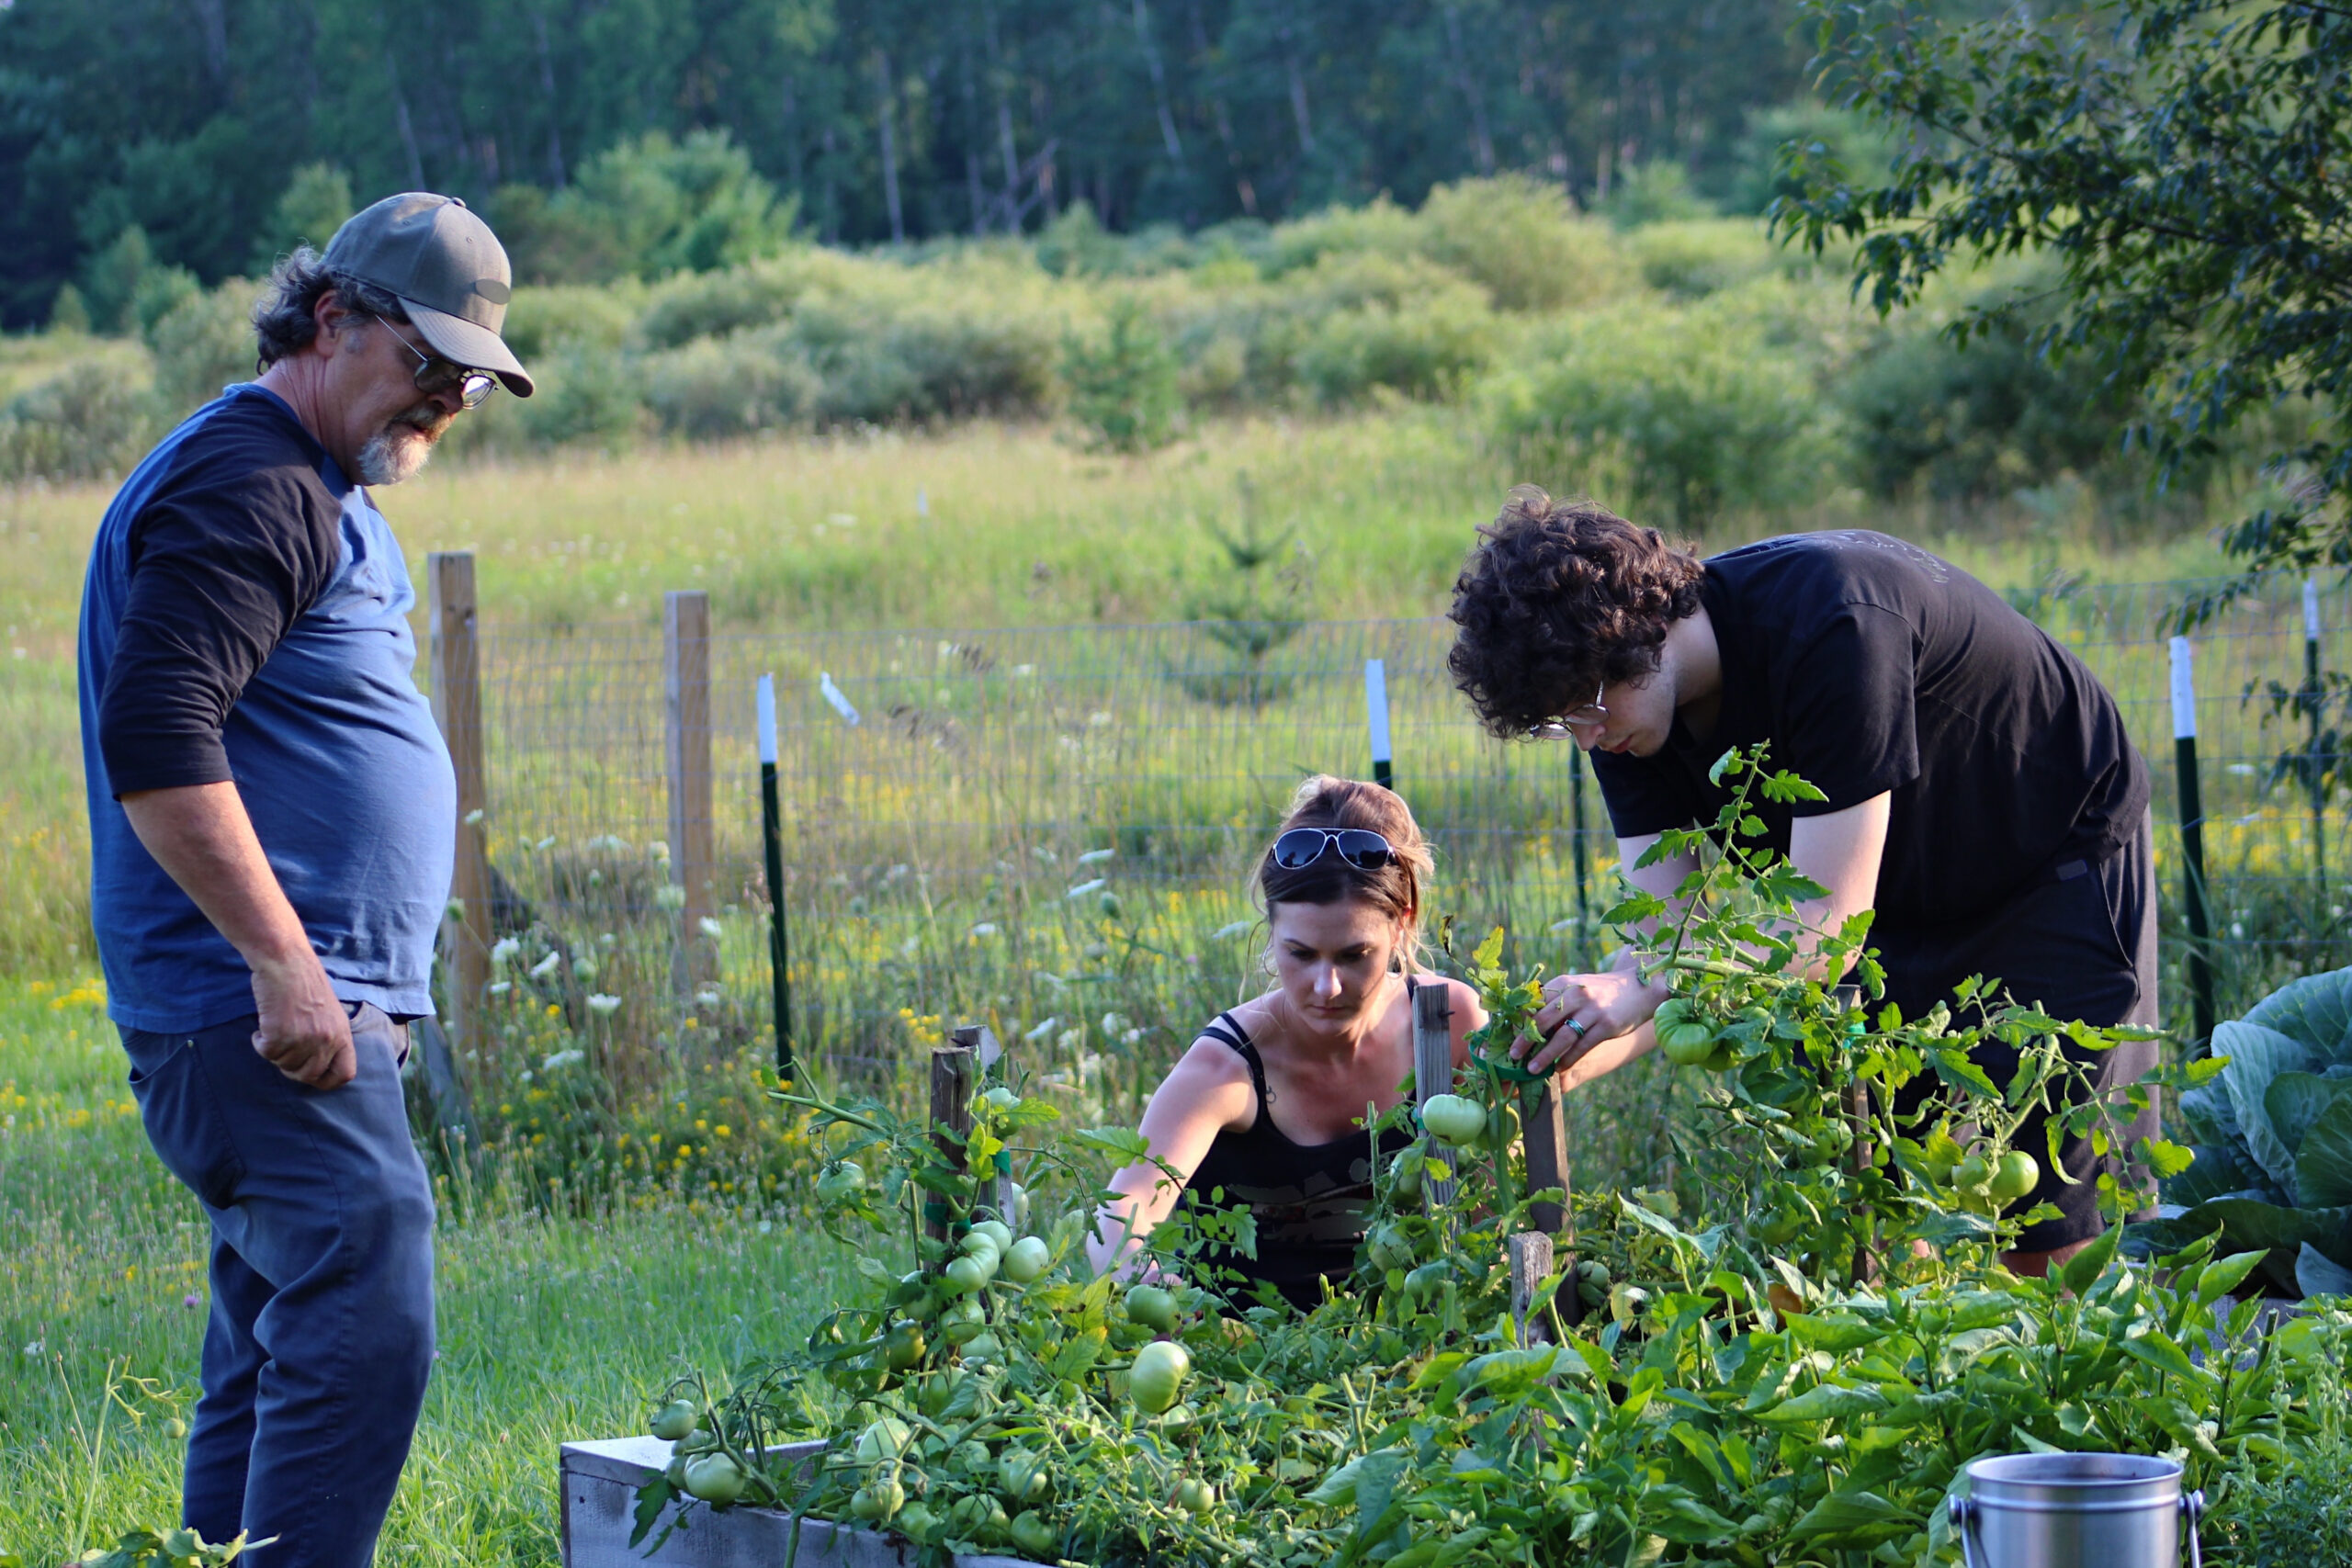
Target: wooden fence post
951	1124
456	663
1433	1064
685	691
1531	1265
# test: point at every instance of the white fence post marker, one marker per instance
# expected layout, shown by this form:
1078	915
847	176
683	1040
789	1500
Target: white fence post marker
1376	708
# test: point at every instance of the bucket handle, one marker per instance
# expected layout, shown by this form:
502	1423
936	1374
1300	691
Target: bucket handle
1963	1521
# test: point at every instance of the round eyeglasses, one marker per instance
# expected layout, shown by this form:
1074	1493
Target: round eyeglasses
435	375
1568	724
1359	847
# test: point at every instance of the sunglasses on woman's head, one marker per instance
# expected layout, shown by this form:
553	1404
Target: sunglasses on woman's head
1359	847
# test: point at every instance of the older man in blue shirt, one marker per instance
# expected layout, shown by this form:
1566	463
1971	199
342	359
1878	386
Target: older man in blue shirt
272	822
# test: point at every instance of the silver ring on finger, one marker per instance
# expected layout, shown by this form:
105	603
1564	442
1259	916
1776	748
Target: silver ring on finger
1581	1027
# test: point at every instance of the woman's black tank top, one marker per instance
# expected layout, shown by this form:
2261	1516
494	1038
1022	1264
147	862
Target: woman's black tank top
1308	1199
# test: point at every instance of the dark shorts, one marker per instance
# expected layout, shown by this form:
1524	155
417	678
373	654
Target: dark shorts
2080	946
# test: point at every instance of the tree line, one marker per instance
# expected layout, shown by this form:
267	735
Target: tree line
884	120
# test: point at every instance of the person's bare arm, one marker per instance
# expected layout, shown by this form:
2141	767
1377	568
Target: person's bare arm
201	836
1839	850
1207	1091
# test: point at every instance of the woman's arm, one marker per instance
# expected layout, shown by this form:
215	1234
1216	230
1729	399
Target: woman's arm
1208	1091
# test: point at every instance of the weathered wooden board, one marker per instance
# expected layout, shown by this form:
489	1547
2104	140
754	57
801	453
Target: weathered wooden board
599	1501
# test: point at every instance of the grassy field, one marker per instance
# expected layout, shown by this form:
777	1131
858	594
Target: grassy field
550	1331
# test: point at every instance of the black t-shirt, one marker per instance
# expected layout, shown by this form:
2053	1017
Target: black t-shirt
1872	667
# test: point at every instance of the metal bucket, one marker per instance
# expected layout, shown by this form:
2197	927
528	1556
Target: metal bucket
2075	1511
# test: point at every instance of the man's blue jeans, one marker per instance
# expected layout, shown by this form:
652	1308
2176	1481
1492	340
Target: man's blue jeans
320	1338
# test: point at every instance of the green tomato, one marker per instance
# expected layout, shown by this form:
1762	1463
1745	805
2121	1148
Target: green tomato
1670	1013
1687	1044
917	1523
877	1501
714	1478
963	1322
903	1346
1428	1280
968	1273
1158	1375
886	1438
1779	1227
1032	1535
1452	1118
996	1231
674	1420
1406	1170
841	1181
1022	1475
1194	1495
1153	1307
1391	1248
1026	1260
1972	1174
1002	1099
2019	1174
1502	1128
983	1350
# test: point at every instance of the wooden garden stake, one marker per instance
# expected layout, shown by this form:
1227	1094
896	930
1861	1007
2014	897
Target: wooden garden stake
951	1124
1531	1265
685	691
1434	1068
981	1041
456	708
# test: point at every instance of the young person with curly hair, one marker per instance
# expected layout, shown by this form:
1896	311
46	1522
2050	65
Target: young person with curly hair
1266	1110
1982	794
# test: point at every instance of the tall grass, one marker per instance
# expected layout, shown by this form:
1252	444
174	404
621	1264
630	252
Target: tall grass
550	1329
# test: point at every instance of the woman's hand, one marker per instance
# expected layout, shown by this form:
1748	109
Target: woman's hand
1581	1012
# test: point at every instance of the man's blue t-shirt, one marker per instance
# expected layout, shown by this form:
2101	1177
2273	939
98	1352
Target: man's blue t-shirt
246	619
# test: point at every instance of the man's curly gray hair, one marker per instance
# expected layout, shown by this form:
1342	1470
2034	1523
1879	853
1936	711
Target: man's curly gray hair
285	318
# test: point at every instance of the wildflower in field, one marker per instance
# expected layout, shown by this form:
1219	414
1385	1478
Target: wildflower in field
1083	888
985	928
669	895
712	928
546	966
1228	932
709	996
1041	1031
562	1059
600	1003
506	950
500	988
1096	857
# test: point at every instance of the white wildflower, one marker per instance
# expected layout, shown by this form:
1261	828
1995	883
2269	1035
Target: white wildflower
1132	1037
985	928
1098	719
1070	1037
709	996
545	844
669	895
562	1059
1096	857
712	928
1228	932
506	949
546	966
500	988
1042	1030
1083	888
599	1002
1113	1024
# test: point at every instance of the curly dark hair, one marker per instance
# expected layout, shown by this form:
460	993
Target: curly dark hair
1558	599
286	316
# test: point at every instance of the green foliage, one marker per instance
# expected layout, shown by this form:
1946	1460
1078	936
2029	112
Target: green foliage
1681	1391
1709	413
647	208
167	1548
2177	158
202	343
1656	191
312	207
92	418
1122	384
1793	131
126	290
2270	1117
1975	419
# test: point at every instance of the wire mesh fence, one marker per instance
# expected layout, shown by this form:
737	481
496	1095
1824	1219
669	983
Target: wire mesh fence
1049	829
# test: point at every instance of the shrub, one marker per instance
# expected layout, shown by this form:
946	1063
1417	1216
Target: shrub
586	393
715	387
1523	243
1706	408
203	343
542	320
713	304
977	335
1969	423
1694	257
645	208
1425	349
314	204
1123	385
94	418
1658	191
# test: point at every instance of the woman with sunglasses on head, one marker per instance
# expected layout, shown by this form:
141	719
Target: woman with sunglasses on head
1268	1105
1980	792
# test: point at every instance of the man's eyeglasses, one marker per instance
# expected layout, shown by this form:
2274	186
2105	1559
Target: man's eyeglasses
1359	847
435	374
1568	723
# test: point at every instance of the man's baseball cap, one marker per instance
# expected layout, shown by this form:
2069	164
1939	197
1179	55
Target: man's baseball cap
447	269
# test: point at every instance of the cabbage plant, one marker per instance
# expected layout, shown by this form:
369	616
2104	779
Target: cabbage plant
2273	1137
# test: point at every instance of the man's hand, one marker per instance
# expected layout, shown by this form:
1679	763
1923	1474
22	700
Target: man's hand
1582	1011
304	1032
201	835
